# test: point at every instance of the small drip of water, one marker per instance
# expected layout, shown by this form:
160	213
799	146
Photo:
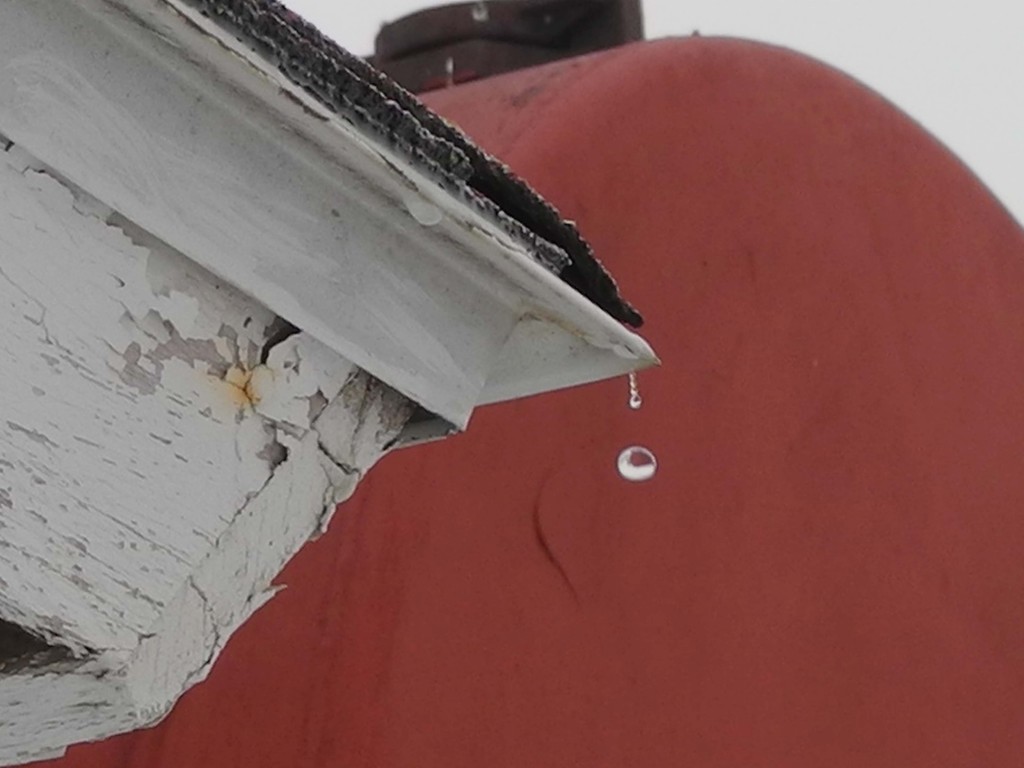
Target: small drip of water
635	401
637	464
449	71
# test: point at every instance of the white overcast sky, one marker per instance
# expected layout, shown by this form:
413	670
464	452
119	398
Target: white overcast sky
956	67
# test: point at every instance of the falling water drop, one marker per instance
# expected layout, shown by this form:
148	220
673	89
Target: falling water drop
637	464
635	401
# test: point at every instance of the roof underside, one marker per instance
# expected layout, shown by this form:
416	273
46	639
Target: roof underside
373	102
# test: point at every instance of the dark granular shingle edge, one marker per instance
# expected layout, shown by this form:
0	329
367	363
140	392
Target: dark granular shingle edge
377	105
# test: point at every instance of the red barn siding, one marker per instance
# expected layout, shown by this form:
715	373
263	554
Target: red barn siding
827	568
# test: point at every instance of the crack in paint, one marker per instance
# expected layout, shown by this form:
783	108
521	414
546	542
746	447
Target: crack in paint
33	435
215	647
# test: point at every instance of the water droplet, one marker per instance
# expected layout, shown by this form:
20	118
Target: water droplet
637	464
480	13
426	213
635	401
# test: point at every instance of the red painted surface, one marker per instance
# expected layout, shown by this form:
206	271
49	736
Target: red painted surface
827	569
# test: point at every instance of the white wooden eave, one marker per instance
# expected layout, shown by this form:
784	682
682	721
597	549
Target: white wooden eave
265	187
166	197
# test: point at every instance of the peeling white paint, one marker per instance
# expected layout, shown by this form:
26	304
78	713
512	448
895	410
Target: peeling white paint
290	388
365	416
154	475
103	394
75	702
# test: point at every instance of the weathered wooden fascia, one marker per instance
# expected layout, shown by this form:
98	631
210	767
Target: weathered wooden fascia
164	200
163	452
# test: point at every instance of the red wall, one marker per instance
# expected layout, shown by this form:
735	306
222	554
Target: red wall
826	570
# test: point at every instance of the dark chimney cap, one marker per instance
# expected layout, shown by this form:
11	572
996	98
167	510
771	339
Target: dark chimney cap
455	43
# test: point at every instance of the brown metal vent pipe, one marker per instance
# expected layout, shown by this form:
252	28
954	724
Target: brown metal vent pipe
452	44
